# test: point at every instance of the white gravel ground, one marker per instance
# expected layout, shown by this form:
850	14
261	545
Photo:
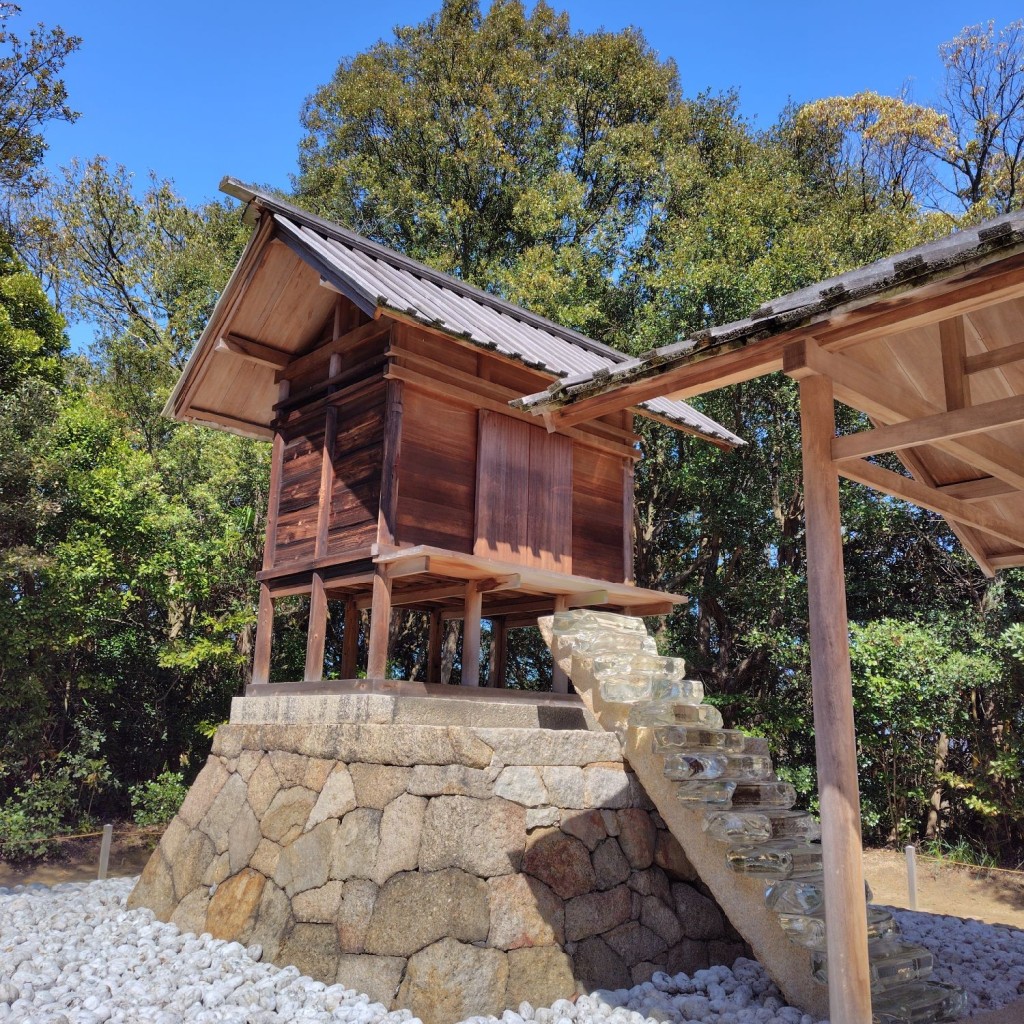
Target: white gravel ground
73	955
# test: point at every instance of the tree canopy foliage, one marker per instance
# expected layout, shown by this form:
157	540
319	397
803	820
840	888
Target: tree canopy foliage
568	171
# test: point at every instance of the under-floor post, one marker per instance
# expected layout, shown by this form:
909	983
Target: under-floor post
499	652
264	637
471	635
316	633
380	626
350	640
834	736
434	644
559	680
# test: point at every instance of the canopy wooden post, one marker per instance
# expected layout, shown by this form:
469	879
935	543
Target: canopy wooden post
316	634
380	626
435	642
264	635
834	738
471	635
499	652
350	640
559	680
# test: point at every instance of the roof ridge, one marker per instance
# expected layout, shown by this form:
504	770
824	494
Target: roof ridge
248	194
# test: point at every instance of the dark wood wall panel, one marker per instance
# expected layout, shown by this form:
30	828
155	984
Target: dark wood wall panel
524	500
355	498
597	515
437	491
300	495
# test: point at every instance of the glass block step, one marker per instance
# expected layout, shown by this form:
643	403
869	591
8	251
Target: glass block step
645	686
922	1002
676	712
764	794
891	961
619	663
804	895
683	739
782	858
714	766
589	645
712	792
759	826
808	930
581	620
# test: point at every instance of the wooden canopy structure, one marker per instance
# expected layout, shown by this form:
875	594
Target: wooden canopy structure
930	346
401	476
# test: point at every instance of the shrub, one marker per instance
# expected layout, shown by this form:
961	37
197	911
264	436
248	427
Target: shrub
157	801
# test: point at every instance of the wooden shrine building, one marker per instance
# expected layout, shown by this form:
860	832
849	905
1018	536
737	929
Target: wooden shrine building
401	477
929	345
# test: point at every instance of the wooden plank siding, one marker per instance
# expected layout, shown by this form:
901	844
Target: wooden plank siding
599	538
524	487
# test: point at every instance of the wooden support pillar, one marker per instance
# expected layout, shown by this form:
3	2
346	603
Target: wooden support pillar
264	637
559	680
834	738
350	641
316	633
499	652
471	634
380	626
434	645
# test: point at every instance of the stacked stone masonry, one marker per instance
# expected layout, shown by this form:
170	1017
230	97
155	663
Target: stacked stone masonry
451	870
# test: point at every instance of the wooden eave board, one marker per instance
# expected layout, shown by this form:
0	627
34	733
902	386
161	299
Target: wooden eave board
458	566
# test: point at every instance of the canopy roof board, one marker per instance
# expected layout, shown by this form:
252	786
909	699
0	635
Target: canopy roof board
283	291
928	343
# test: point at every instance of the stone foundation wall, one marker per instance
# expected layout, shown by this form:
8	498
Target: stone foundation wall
453	870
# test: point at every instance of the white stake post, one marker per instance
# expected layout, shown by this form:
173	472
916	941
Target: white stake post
911	852
108	835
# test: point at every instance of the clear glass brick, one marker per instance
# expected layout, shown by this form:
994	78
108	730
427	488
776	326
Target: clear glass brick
782	858
676	712
760	826
921	1002
809	930
714	792
686	738
764	794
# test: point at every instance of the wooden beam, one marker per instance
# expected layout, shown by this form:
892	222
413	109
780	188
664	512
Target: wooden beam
1007	561
254	351
653	608
995	358
939	427
350	641
977	490
479	401
864	389
367	332
471	635
451	591
414	566
316	634
208	417
587	600
954	352
264	637
930	498
380	626
832	691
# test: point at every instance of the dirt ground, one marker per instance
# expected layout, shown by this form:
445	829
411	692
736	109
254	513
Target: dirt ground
993	896
78	860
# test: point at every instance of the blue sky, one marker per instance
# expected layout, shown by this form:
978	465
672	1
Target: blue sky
195	90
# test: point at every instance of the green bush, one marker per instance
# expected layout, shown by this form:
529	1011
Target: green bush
157	801
35	814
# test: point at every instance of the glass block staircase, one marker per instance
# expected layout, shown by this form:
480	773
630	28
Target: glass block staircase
726	779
